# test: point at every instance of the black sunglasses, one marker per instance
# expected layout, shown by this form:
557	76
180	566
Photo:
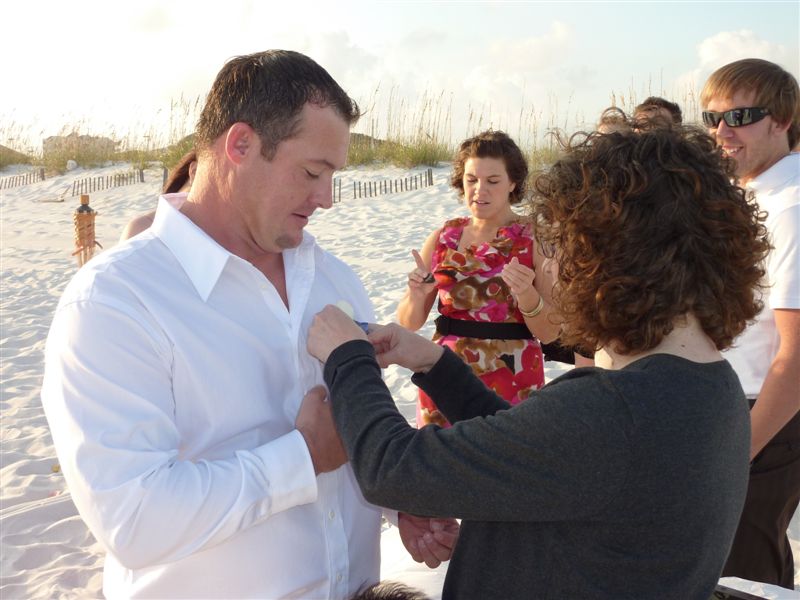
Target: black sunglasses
736	117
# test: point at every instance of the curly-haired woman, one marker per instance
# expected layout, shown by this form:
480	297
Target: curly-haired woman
624	480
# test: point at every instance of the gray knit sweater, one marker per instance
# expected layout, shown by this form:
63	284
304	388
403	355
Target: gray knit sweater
604	484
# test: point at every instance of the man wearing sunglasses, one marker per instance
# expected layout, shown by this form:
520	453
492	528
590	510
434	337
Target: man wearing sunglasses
752	107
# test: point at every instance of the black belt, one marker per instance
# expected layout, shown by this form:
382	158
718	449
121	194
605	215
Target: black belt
482	330
505	331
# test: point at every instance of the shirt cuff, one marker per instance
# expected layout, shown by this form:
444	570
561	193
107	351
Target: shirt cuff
390	515
289	477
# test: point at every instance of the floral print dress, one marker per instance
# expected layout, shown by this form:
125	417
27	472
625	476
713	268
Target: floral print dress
470	288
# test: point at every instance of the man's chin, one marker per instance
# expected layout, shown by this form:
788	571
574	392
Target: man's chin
287	242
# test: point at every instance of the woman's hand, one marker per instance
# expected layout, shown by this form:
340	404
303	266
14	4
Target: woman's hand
396	345
420	280
330	329
519	279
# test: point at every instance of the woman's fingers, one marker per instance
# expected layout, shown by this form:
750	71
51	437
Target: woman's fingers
420	274
418	259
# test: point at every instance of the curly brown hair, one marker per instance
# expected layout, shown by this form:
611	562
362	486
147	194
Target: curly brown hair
492	144
649	227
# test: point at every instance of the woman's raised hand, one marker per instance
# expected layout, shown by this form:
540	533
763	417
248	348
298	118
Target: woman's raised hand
420	278
518	277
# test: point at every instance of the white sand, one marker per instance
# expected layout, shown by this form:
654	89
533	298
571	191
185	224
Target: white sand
46	551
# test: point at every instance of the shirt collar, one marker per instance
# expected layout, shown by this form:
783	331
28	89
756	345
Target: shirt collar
778	175
202	258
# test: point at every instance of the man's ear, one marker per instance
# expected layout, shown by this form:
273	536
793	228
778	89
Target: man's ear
781	128
240	140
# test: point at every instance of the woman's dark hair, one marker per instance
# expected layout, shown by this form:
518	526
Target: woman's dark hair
648	227
179	175
492	144
267	90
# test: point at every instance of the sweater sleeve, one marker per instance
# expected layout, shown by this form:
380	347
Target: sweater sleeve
458	393
562	454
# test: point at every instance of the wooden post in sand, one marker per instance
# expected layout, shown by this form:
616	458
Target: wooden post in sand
85	241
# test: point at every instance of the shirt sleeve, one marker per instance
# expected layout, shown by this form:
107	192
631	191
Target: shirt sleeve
107	395
784	260
564	453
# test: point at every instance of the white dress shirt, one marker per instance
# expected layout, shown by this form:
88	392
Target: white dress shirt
777	192
173	376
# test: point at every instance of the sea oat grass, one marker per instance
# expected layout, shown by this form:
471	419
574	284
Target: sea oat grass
405	131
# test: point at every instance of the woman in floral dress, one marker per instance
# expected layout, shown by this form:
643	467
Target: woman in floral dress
489	277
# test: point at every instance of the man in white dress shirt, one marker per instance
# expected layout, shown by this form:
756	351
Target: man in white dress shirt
177	361
752	106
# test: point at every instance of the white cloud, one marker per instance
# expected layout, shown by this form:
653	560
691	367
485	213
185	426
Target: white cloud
728	46
517	64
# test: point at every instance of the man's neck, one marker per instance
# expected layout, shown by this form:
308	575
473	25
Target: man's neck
205	209
745	179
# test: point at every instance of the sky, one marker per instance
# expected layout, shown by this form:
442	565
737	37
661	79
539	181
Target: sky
138	71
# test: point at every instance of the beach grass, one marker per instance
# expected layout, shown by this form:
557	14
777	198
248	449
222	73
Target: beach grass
393	130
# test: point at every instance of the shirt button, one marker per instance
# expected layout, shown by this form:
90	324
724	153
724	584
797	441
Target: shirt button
332	515
339	577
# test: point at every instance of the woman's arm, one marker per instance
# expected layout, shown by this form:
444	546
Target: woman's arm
532	290
548	324
441	372
457	391
562	454
414	308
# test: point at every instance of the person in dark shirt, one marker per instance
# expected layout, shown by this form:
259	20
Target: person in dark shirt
624	480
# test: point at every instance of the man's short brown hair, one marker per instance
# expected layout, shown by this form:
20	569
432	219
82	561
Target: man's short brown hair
653	103
646	228
268	90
